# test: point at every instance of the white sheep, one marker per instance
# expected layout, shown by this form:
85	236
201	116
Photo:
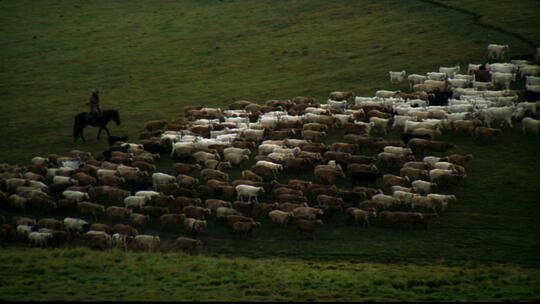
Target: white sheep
531	125
135	201
75	195
249	191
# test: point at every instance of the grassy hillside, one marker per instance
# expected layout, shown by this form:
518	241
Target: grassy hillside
151	58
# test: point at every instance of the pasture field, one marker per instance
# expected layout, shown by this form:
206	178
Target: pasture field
151	58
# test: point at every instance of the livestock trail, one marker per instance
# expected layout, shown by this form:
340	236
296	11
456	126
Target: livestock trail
477	20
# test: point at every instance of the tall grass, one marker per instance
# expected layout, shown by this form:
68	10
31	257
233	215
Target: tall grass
82	275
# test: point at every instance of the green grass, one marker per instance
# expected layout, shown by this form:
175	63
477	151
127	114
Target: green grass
84	275
151	58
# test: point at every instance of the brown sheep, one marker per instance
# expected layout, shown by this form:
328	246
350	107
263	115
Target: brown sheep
327	200
459	159
181	168
111	180
155	125
369	204
262	209
154	211
168	189
367	192
144	166
207	174
188	245
196	212
125	230
314	126
263	171
101	227
161	200
172	219
107	195
313	135
289	207
303	100
119	213
328	176
84	179
307	225
487	133
231	219
91	209
296	163
339	96
50	223
243	207
345	147
183	201
414	174
250	175
390	180
139	219
333	155
245	228
213	204
239	104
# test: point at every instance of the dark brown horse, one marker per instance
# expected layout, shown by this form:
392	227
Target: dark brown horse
100	121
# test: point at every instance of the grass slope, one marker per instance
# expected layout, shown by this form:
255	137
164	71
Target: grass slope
150	58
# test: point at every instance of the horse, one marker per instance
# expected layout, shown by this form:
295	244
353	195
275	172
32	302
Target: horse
100	121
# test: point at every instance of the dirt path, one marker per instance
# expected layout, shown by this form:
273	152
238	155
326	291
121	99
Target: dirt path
477	21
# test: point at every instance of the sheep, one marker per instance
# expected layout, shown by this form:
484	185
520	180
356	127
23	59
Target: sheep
360	215
390	180
308	213
75	224
182	168
396	77
245	227
39	238
135	201
423	187
278	216
530	125
387	200
91	208
249	191
75	195
162	178
188	245
194	226
144	241
223	212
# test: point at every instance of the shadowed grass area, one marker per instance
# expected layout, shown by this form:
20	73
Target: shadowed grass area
82	275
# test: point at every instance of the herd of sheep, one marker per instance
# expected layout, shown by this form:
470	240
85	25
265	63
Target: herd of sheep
106	201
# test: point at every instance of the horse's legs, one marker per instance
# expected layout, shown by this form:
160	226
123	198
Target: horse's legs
99	132
106	130
82	135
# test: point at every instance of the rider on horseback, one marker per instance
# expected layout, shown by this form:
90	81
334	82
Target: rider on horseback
95	108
